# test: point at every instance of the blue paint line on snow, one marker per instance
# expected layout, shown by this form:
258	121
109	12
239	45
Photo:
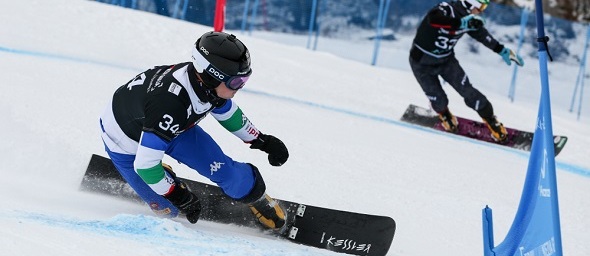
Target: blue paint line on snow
65	58
175	238
140	225
140	228
560	165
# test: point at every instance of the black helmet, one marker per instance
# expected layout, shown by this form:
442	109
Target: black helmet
221	56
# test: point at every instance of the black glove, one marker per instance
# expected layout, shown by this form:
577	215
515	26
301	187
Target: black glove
275	148
186	202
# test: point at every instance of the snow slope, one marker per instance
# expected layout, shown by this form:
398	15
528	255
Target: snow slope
61	60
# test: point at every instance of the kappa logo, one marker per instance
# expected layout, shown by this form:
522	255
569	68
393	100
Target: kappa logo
215	166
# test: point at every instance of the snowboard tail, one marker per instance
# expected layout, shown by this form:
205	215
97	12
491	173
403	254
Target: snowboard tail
331	229
477	130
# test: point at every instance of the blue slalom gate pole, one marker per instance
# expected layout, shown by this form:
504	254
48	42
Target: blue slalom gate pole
581	77
176	11
536	228
245	16
581	96
184	9
545	112
319	24
378	32
381	18
254	13
523	20
314	6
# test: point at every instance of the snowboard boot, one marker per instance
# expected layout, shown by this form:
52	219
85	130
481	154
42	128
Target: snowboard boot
448	121
496	128
269	213
182	198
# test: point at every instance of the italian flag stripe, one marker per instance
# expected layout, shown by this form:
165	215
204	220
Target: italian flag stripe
152	175
235	122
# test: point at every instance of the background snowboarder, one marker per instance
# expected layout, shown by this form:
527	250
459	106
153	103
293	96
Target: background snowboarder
432	55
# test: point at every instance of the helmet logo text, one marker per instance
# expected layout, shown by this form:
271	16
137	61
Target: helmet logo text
204	50
216	73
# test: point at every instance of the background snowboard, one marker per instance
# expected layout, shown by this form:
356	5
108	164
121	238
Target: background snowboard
477	130
335	230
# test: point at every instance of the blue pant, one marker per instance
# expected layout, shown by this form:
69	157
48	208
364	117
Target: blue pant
196	149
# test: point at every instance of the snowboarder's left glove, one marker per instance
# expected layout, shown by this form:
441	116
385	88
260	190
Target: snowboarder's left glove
508	55
275	148
186	202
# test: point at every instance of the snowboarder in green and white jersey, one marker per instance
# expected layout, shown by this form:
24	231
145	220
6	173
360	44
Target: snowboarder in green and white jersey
158	112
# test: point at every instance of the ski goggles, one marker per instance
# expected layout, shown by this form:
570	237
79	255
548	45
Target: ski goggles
235	82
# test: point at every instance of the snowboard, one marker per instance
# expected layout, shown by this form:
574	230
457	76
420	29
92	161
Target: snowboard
331	229
477	130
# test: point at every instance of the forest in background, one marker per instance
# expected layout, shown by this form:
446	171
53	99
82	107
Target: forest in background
574	10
